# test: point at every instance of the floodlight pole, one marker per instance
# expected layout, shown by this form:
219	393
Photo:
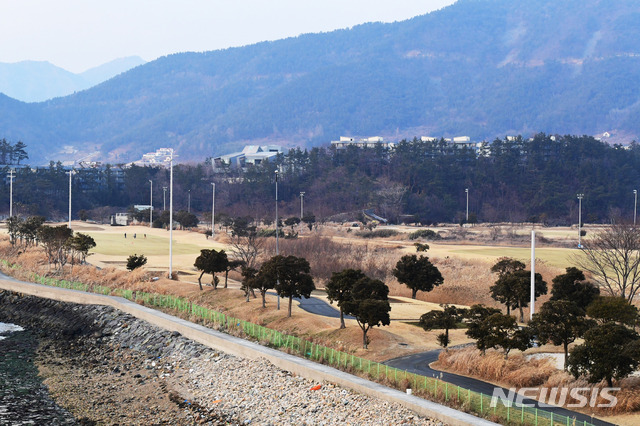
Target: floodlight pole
11	176
277	232
533	274
171	215
70	172
164	198
151	205
635	205
213	210
580	197
467	191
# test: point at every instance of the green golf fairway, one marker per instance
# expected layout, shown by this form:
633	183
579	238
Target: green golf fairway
118	245
559	257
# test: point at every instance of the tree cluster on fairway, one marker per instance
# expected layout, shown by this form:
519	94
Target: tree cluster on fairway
417	273
445	320
211	261
611	347
492	329
513	287
364	298
288	275
59	242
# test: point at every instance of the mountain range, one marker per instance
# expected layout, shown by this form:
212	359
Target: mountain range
480	68
37	81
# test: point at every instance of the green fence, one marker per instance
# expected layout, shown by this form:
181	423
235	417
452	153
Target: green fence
438	390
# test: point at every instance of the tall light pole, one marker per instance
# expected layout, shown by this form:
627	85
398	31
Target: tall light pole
213	210
11	176
580	197
171	214
71	172
151	204
635	205
301	205
164	198
467	191
532	296
189	203
277	231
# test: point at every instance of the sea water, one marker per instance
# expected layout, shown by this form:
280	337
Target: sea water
8	328
24	400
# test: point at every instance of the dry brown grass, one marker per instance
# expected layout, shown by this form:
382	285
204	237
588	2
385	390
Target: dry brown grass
327	256
517	371
492	366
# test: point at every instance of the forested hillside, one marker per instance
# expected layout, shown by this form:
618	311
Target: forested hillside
516	180
482	68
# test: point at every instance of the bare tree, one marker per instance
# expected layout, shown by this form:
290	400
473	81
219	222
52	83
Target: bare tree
389	198
612	257
246	244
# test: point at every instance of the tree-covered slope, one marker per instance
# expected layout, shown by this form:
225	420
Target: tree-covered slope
482	68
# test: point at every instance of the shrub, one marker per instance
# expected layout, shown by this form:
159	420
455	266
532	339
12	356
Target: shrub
380	233
134	261
424	233
270	233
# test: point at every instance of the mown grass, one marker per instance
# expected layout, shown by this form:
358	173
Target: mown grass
558	257
110	244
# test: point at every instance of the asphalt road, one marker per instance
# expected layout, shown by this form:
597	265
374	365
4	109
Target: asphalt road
317	306
419	364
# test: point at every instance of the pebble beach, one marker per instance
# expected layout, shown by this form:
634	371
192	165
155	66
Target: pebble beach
106	367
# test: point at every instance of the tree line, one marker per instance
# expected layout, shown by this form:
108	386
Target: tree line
511	179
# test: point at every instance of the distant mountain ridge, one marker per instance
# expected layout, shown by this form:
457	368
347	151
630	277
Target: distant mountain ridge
481	68
37	81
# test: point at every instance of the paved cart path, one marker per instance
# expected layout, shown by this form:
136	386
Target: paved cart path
420	364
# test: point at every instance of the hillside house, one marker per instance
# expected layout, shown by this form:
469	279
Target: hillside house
250	155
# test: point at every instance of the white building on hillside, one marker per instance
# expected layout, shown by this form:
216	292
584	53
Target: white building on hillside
370	142
250	155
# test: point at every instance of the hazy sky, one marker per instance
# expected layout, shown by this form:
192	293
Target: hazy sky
80	34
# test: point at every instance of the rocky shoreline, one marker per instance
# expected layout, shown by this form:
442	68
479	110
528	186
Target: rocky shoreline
107	367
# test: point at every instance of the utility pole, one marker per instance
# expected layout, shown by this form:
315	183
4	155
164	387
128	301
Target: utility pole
635	205
467	191
151	204
277	231
580	197
70	172
11	176
213	210
164	198
171	215
532	302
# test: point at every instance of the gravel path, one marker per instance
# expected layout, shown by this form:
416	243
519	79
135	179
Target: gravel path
108	367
